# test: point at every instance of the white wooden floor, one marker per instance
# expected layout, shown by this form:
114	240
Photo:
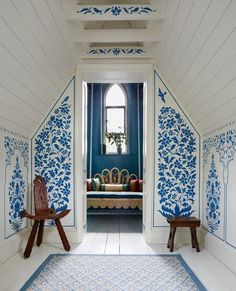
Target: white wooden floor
117	235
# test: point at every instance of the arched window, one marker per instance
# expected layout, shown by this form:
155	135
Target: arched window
115	113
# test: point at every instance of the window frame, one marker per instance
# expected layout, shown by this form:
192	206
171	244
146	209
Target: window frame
125	117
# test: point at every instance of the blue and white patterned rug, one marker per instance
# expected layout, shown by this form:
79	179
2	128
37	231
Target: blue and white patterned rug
114	272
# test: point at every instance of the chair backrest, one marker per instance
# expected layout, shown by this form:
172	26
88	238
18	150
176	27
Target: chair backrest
40	195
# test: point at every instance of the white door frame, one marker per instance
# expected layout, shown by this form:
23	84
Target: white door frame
110	73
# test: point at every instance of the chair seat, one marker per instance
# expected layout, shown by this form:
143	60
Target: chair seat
45	215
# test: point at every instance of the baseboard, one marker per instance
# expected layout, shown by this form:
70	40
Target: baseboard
159	235
222	251
13	244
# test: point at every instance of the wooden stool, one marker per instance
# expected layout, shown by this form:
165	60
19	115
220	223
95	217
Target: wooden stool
191	222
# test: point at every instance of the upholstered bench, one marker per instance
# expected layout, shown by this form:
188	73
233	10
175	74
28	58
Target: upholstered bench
114	189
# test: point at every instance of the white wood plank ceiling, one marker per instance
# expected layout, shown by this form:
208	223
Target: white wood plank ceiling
192	43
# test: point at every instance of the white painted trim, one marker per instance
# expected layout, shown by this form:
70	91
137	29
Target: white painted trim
222	251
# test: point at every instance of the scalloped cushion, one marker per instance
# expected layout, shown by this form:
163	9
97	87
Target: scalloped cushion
134	185
114	187
96	184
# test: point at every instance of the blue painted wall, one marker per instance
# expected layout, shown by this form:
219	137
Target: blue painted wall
96	160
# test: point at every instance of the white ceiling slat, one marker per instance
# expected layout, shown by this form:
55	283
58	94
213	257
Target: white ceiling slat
216	85
8	124
207	26
29	100
16	48
16	23
195	17
166	26
63	59
182	16
213	105
117	35
212	69
54	52
220	116
12	101
8	111
58	14
14	67
224	28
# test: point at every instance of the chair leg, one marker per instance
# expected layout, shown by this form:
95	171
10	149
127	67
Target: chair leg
30	242
62	235
40	233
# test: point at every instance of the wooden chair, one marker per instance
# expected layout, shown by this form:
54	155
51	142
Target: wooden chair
42	212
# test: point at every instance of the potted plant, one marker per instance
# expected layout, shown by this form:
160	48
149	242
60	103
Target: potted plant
117	138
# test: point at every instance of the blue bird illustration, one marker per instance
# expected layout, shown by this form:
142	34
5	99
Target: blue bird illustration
161	95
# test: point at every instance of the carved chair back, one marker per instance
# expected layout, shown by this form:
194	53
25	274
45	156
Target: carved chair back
40	195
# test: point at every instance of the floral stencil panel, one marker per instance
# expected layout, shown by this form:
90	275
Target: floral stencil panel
16	193
213	189
176	164
52	158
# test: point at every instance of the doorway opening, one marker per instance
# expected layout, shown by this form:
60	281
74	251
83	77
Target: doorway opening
114	159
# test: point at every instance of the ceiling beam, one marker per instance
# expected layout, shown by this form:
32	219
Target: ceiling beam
117	35
113	12
116	52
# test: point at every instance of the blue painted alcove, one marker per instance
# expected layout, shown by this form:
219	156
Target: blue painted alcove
96	160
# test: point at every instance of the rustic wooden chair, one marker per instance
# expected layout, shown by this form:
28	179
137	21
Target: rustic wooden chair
42	212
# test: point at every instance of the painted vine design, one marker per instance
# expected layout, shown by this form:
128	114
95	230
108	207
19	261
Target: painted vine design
176	164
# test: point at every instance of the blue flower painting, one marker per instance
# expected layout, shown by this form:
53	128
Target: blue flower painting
16	192
52	158
176	164
213	190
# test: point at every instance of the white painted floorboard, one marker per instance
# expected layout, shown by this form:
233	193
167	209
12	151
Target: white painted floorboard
117	235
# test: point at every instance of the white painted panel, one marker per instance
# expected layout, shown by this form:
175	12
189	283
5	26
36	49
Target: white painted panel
213	226
177	162
53	154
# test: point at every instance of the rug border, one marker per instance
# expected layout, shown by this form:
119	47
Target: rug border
193	276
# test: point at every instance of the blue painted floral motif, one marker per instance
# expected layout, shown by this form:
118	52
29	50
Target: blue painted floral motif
116	10
116	51
52	158
16	193
213	190
176	164
162	94
11	145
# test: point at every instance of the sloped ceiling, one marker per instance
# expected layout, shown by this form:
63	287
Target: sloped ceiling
191	42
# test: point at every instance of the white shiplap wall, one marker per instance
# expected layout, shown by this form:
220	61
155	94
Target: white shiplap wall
37	58
195	55
197	58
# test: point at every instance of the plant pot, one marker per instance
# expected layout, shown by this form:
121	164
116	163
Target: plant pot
119	149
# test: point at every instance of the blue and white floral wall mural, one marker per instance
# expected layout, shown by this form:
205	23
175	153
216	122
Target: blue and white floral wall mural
219	170
16	183
177	145
53	154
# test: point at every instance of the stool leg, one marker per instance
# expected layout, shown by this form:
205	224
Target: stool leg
194	238
172	237
62	235
30	242
40	233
